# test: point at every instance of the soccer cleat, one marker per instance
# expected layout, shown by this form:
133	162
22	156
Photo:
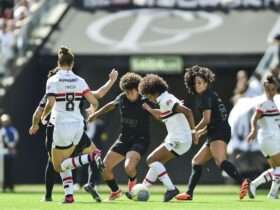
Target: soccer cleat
252	191
47	199
244	189
183	197
115	195
129	195
169	194
272	196
68	199
91	190
131	184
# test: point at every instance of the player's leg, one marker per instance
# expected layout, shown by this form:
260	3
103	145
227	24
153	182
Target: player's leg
111	160
218	151
275	163
201	157
131	161
133	157
156	161
49	171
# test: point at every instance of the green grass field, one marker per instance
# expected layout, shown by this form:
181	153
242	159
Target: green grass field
221	197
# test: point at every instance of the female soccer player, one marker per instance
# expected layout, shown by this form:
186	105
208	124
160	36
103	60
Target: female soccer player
214	123
267	117
49	171
178	120
134	138
64	94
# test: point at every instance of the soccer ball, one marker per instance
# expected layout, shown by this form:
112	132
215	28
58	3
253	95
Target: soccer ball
140	193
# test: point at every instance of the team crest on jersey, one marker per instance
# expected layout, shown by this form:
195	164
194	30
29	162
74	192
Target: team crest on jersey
168	102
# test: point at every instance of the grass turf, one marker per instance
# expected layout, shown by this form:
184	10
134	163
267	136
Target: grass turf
221	197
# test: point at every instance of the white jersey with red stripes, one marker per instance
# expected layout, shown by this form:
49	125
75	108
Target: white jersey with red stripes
68	89
269	123
177	125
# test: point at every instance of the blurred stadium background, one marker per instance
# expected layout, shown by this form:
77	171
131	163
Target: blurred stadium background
161	36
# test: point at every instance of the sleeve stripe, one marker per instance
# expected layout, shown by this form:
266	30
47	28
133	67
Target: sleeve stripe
86	91
259	111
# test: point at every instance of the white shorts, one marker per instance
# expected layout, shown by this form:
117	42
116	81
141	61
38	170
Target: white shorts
177	147
270	146
67	134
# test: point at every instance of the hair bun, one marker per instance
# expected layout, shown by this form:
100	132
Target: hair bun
63	50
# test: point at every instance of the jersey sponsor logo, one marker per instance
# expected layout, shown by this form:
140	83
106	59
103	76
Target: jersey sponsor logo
68	80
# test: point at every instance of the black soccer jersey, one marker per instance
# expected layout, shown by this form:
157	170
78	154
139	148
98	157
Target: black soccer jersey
209	100
134	119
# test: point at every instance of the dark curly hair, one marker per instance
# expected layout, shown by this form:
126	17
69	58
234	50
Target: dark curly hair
205	73
152	84
270	79
130	81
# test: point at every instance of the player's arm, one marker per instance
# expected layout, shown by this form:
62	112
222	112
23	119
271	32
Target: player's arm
189	115
102	91
106	108
156	113
36	117
91	99
253	133
201	127
48	108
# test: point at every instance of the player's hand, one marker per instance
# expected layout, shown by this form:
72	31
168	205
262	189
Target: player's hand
113	76
251	136
195	138
146	106
98	160
92	117
89	111
33	129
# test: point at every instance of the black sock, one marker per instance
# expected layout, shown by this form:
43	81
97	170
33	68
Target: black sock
132	178
49	179
92	173
194	178
231	170
113	185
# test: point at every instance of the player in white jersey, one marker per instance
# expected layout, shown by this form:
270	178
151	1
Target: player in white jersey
267	119
64	94
49	171
179	122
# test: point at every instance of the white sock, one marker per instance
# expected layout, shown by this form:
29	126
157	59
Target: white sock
275	182
265	177
150	178
67	181
75	162
162	175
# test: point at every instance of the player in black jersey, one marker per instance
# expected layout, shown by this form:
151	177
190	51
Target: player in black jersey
49	171
214	124
134	138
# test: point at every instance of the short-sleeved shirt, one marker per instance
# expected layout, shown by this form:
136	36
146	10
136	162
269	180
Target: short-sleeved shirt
269	123
209	100
177	125
135	120
68	89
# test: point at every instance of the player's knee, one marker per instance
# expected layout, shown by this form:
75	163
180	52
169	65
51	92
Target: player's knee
57	167
149	160
130	168
219	160
195	161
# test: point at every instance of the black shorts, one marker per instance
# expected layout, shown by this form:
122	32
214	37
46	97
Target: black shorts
125	144
220	132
